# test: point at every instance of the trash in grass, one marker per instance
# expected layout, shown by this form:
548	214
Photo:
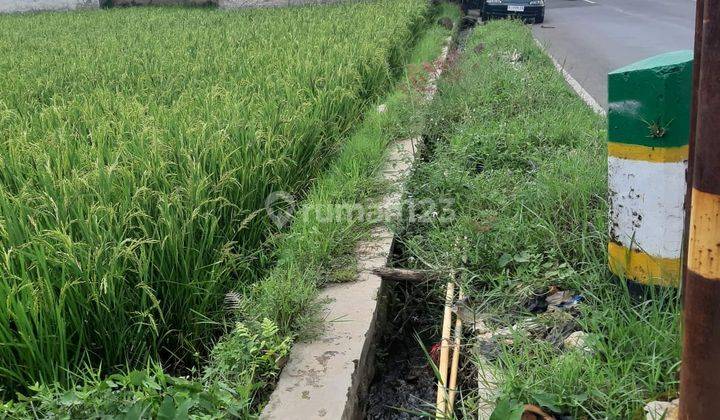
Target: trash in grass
533	412
662	410
508	335
434	353
537	304
554	299
553	327
577	340
562	300
559	297
510	409
555	322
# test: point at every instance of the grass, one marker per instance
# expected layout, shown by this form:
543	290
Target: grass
524	162
317	250
139	147
272	312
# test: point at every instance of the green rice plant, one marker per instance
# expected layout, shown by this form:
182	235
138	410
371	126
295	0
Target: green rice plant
138	147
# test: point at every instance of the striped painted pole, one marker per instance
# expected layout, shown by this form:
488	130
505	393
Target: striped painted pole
648	131
700	368
697	59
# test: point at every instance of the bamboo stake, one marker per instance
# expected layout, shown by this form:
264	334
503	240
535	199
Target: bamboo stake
455	360
445	352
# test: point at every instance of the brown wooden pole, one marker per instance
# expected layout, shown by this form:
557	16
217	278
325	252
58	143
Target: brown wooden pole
700	371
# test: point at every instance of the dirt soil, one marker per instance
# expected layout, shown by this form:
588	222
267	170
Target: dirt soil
404	385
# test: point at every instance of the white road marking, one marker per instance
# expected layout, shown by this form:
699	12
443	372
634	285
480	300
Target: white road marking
584	95
590	1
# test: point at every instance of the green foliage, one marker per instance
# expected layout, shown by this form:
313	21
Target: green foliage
138	149
313	252
246	356
135	395
525	162
244	364
507	410
241	364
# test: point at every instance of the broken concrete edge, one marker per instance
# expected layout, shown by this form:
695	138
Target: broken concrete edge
329	377
30	6
574	84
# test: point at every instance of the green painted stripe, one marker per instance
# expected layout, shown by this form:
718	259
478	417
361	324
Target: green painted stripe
649	101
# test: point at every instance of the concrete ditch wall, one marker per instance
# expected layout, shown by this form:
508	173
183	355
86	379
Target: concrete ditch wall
327	378
11	6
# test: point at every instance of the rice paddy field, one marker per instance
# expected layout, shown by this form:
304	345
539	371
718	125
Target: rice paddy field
138	147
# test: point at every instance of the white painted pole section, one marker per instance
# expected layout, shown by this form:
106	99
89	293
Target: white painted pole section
643	215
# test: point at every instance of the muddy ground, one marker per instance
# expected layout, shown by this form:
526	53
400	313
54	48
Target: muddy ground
404	385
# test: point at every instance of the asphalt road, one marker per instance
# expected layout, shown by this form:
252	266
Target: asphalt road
593	37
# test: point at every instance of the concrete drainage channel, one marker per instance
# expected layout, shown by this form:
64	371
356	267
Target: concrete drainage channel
329	377
404	383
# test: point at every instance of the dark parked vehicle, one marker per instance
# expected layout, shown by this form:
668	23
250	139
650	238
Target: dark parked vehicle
527	10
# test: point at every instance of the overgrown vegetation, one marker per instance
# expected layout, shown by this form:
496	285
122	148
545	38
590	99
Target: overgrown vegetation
318	249
138	149
524	161
271	312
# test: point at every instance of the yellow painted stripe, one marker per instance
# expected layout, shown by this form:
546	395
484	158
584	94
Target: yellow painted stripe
649	154
643	268
704	240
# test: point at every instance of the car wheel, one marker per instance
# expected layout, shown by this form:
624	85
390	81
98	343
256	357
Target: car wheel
540	19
